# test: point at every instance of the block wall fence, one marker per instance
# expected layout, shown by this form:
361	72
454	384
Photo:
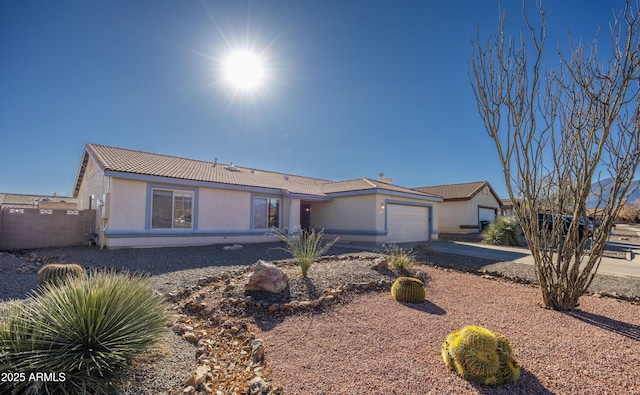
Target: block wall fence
28	228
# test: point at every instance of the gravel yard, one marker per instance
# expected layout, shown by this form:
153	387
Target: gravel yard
368	343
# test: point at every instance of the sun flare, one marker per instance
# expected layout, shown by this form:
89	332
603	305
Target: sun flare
244	70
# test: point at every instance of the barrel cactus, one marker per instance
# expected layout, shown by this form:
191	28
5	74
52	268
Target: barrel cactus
481	356
408	290
57	273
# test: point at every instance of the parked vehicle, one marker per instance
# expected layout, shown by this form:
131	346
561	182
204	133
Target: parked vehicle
584	229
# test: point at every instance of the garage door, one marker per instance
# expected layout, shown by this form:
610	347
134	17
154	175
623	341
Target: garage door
486	214
407	223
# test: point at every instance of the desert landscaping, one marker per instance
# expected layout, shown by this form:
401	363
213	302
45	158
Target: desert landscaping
339	331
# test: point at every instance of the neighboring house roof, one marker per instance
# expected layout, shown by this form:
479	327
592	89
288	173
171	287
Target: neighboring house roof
20	200
506	203
126	161
69	204
454	192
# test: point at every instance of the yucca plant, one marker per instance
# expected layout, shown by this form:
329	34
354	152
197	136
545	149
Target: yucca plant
304	246
400	258
89	329
503	231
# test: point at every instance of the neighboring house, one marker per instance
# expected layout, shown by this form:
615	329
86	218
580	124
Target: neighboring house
37	201
507	208
465	206
145	199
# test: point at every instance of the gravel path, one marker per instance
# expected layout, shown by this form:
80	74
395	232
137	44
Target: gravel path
313	354
181	267
170	268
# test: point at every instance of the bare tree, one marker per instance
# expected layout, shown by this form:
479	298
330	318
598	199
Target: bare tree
557	130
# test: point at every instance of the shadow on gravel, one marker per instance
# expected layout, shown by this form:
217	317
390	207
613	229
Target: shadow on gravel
528	384
267	323
309	286
426	307
630	331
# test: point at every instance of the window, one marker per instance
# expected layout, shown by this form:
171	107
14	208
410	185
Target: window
266	213
171	209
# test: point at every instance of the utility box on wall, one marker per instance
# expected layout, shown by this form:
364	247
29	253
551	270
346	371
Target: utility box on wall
104	206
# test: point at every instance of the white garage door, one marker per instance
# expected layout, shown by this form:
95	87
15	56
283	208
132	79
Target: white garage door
407	223
486	214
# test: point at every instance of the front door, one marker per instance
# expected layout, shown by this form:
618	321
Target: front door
305	216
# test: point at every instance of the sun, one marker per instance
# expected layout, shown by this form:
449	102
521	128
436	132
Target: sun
244	70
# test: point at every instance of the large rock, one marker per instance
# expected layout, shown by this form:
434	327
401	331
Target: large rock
267	277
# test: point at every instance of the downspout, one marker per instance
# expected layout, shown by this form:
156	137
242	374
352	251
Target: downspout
102	236
102	219
287	193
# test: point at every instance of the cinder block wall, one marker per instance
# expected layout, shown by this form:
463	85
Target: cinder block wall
26	228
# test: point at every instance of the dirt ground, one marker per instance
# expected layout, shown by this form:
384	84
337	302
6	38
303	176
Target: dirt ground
626	234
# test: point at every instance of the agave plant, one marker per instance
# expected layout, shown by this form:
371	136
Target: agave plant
88	329
304	246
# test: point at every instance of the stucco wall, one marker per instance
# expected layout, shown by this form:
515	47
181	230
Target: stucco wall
454	214
291	213
221	209
167	241
487	200
93	183
223	216
360	218
346	213
125	204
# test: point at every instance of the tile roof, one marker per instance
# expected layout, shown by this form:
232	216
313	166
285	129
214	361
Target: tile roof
464	191
124	160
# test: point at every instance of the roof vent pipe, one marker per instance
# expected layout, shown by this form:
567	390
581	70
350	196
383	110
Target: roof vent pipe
383	179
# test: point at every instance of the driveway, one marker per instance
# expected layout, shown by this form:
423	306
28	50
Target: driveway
610	266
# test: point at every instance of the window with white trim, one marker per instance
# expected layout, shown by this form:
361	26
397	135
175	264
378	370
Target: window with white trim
266	213
171	209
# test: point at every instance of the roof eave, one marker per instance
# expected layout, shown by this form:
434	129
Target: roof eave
80	174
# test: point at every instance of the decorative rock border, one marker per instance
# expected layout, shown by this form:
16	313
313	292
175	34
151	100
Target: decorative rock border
195	295
328	296
208	330
207	284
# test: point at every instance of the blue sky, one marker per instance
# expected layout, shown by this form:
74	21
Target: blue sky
354	88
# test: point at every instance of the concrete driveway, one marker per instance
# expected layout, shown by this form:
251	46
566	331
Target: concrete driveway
610	266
